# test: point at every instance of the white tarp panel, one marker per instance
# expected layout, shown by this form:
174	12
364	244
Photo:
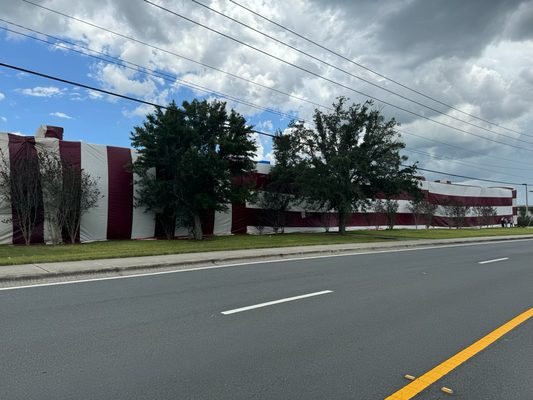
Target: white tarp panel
6	226
50	146
464	190
143	224
94	221
181	231
222	224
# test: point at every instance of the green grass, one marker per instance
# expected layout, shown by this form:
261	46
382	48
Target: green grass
12	255
408	234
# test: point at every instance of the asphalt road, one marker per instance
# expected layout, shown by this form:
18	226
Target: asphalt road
388	314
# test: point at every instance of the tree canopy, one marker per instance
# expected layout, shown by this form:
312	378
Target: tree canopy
351	155
189	160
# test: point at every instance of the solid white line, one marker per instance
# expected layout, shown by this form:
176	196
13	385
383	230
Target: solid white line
288	258
495	260
270	303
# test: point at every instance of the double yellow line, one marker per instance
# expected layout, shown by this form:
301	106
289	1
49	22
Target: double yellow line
433	375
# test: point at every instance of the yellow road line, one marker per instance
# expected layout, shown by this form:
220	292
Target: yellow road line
412	389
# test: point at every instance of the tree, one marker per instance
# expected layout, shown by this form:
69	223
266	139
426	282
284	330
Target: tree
281	191
415	207
351	155
391	209
457	213
275	205
79	194
68	193
51	176
485	214
41	182
378	209
200	155
21	187
428	210
523	218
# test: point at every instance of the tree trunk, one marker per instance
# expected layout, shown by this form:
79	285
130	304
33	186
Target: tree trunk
342	222
197	228
27	238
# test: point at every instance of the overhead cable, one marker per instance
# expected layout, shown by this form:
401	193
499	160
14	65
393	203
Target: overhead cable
324	62
108	92
339	83
370	69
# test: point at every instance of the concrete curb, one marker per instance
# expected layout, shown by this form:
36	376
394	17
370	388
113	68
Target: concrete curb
273	253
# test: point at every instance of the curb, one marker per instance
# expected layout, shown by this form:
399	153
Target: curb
300	251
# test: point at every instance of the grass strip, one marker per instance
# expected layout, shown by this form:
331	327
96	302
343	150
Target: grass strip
13	255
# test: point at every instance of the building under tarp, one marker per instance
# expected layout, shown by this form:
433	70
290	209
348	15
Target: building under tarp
117	217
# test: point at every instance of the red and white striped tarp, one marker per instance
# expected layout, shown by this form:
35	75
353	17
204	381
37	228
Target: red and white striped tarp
116	216
250	218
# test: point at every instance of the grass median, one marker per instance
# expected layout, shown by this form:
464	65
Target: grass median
12	255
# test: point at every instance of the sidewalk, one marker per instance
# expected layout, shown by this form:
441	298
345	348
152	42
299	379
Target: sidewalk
119	266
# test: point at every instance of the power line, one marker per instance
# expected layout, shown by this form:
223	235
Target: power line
468	177
166	108
155	73
370	69
466	150
322	61
340	84
108	92
165	76
468	164
81	85
157	48
276	90
148	71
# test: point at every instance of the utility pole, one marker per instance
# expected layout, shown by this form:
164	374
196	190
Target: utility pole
527	204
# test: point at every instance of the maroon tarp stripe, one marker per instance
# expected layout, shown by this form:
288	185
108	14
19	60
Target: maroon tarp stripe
437	198
294	219
240	216
120	193
20	149
443	199
70	152
208	222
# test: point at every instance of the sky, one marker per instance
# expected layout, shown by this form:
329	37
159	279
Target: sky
457	75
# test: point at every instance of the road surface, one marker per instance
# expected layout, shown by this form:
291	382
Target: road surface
341	327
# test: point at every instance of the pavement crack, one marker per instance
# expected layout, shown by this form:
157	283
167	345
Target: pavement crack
38	266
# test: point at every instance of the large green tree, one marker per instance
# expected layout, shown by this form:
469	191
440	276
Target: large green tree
351	155
189	161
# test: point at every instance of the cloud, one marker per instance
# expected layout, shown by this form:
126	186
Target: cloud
123	81
265	125
4	119
2	96
474	55
60	115
144	109
93	95
42	91
427	29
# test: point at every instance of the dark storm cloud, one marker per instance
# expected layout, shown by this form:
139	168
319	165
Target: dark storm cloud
520	26
426	29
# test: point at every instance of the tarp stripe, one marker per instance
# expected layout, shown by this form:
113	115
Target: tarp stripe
21	149
6	226
94	221
70	153
120	192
